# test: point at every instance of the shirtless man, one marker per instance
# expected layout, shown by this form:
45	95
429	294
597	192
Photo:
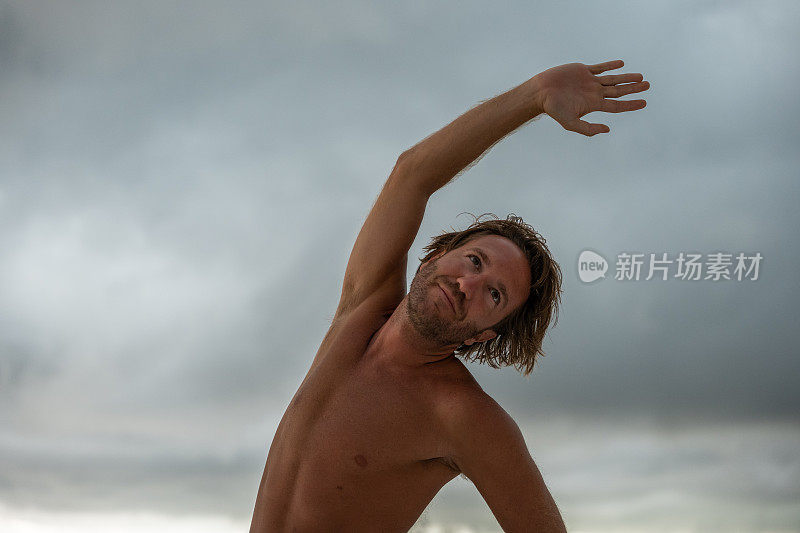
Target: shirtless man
387	414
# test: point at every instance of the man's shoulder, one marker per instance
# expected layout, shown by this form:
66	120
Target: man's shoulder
350	332
462	405
370	314
362	319
474	426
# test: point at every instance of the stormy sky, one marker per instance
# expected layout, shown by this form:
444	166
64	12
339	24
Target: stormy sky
181	184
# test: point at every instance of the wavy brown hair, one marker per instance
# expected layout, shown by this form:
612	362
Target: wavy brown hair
520	334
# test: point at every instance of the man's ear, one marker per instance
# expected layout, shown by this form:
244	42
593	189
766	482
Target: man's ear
483	336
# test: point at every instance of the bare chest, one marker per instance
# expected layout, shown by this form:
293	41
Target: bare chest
369	452
374	419
359	443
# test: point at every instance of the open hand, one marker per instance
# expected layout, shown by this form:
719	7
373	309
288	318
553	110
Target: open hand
570	91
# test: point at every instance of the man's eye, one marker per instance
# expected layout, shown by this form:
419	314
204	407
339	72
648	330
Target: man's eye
475	260
495	295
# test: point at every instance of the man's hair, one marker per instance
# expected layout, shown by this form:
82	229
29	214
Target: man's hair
519	335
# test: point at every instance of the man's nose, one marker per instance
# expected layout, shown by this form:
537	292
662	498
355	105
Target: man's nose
469	285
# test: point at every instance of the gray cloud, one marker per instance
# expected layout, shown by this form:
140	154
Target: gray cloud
180	186
632	476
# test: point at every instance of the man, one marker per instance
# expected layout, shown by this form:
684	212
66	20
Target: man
387	414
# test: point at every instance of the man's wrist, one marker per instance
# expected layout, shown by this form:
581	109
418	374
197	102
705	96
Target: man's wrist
532	93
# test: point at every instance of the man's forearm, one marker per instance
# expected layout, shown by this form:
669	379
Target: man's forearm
438	158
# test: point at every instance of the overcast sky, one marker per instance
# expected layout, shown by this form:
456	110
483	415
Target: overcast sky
181	184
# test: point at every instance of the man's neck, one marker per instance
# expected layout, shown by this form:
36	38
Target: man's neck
397	340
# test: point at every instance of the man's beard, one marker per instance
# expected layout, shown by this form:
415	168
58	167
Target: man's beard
430	324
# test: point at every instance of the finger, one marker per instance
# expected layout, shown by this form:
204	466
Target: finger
621	90
586	128
613	79
608	65
620	106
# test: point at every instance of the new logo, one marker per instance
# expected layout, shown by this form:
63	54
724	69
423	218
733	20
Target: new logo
591	266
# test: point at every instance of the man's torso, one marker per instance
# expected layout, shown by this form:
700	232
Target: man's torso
360	447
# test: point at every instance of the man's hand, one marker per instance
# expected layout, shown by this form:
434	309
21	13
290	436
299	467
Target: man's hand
570	91
376	270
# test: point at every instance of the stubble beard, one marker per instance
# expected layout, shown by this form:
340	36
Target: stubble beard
429	323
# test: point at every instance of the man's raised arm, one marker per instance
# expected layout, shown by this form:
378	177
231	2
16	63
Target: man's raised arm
376	270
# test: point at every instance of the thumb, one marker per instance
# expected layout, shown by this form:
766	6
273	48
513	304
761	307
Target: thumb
586	128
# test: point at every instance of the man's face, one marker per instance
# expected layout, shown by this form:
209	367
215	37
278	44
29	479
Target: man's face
455	297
